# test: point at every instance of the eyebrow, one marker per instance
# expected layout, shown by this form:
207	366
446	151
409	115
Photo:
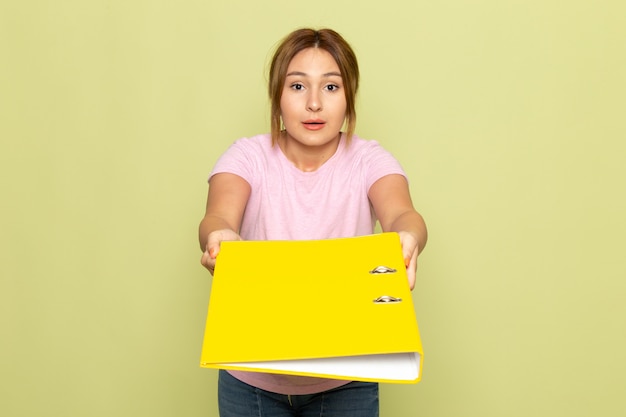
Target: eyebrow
304	74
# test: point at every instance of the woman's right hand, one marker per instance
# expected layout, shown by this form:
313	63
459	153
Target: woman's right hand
212	249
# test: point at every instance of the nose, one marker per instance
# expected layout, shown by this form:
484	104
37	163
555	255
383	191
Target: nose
314	102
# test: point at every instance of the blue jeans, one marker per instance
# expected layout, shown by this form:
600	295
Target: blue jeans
238	399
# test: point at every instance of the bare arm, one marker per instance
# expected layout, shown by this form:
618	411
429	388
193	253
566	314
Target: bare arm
393	206
226	202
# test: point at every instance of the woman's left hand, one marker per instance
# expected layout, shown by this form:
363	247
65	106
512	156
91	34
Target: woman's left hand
410	250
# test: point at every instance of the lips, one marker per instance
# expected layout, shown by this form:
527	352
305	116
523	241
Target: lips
314	124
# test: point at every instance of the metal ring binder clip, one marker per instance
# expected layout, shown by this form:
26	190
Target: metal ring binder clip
382	270
385	299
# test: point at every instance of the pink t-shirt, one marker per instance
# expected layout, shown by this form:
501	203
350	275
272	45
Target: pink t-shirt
288	204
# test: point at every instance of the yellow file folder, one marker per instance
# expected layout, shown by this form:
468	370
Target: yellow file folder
335	308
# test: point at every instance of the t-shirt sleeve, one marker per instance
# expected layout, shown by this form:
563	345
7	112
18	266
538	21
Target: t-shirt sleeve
380	163
238	159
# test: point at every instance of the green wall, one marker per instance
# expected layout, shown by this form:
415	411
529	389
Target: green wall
507	115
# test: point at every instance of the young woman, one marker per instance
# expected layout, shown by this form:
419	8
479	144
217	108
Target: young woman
307	179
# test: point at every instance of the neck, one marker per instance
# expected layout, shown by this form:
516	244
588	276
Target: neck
307	158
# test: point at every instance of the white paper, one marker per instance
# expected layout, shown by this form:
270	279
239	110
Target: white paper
392	367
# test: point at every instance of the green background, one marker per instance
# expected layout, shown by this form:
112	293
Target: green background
507	115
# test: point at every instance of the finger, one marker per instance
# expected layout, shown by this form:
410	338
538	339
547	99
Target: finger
213	244
410	261
207	262
411	271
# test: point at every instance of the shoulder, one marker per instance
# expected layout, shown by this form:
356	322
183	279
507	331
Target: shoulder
257	143
366	149
245	156
372	159
249	148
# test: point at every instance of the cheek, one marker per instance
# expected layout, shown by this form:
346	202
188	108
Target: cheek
340	104
286	108
341	108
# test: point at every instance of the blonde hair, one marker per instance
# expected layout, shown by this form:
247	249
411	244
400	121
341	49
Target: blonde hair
299	40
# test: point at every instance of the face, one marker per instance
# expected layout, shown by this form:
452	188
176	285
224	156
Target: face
313	102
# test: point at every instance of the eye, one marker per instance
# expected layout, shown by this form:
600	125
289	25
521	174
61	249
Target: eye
297	86
332	87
